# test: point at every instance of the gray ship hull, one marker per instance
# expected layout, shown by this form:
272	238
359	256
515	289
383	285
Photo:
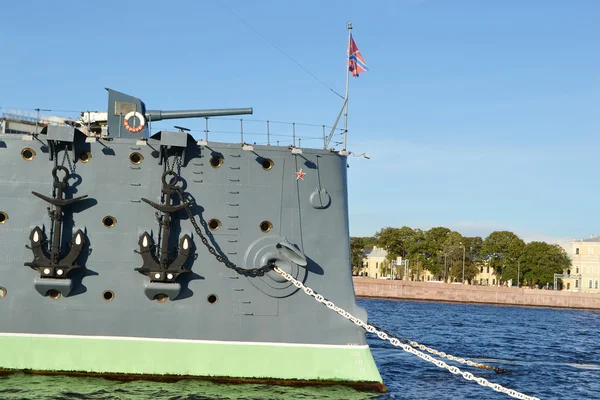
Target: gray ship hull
213	321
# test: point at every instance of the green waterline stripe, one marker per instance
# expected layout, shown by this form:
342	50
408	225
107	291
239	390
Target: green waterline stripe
186	357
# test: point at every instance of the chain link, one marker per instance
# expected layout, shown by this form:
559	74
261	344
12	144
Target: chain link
408	347
68	159
188	203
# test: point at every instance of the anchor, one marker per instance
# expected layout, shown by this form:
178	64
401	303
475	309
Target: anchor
160	269
48	262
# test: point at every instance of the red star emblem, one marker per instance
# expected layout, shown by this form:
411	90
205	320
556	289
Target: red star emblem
300	174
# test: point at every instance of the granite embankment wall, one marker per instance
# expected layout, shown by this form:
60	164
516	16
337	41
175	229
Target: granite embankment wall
407	290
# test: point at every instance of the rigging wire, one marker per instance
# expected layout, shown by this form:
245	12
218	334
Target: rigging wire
279	49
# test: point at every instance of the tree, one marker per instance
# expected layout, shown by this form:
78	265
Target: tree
504	246
433	245
540	261
384	268
396	241
357	254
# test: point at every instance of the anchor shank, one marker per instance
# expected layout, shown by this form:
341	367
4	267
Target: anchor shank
55	255
164	245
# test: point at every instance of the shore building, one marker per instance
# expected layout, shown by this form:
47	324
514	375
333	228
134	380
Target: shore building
585	258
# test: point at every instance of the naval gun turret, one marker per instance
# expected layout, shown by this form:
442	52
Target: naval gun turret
128	118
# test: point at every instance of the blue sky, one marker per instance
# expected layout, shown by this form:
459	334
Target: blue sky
477	115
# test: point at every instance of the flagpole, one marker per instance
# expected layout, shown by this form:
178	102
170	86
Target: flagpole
347	82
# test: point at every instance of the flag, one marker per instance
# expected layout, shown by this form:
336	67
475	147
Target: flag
356	63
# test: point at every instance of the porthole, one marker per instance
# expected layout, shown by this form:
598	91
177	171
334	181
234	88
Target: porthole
53	294
85	156
3	217
2	292
266	226
212	298
28	154
109	221
267	164
108	295
216	162
161	297
136	158
214	224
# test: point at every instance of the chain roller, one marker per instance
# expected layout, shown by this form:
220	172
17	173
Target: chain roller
408	347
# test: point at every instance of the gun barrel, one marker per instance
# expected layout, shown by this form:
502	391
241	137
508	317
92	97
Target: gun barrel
158	115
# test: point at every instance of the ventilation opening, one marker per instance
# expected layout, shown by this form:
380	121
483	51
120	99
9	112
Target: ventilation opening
109	221
2	292
161	297
85	156
136	158
267	164
27	154
53	294
214	224
212	298
108	295
3	217
216	162
266	226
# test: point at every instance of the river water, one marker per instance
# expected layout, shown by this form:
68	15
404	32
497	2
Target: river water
550	353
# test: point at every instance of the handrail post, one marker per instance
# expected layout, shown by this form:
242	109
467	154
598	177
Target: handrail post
268	135
206	131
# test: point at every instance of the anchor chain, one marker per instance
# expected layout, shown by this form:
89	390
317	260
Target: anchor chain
408	347
55	151
248	272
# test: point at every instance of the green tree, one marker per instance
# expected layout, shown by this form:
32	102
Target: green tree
502	249
369	242
357	254
384	268
396	241
540	261
432	246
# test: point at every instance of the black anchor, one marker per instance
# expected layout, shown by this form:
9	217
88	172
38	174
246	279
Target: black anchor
159	269
49	262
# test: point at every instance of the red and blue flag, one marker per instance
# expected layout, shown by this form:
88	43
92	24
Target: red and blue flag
356	63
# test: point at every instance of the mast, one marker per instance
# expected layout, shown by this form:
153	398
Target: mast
347	84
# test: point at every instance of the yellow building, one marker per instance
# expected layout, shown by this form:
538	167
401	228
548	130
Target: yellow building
486	276
585	258
377	256
372	261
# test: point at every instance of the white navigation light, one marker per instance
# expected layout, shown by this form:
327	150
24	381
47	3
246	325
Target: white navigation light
185	244
36	237
78	239
145	241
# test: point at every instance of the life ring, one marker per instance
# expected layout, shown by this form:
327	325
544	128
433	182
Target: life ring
138	128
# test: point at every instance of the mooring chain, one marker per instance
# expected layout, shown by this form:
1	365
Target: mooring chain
441	353
398	343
